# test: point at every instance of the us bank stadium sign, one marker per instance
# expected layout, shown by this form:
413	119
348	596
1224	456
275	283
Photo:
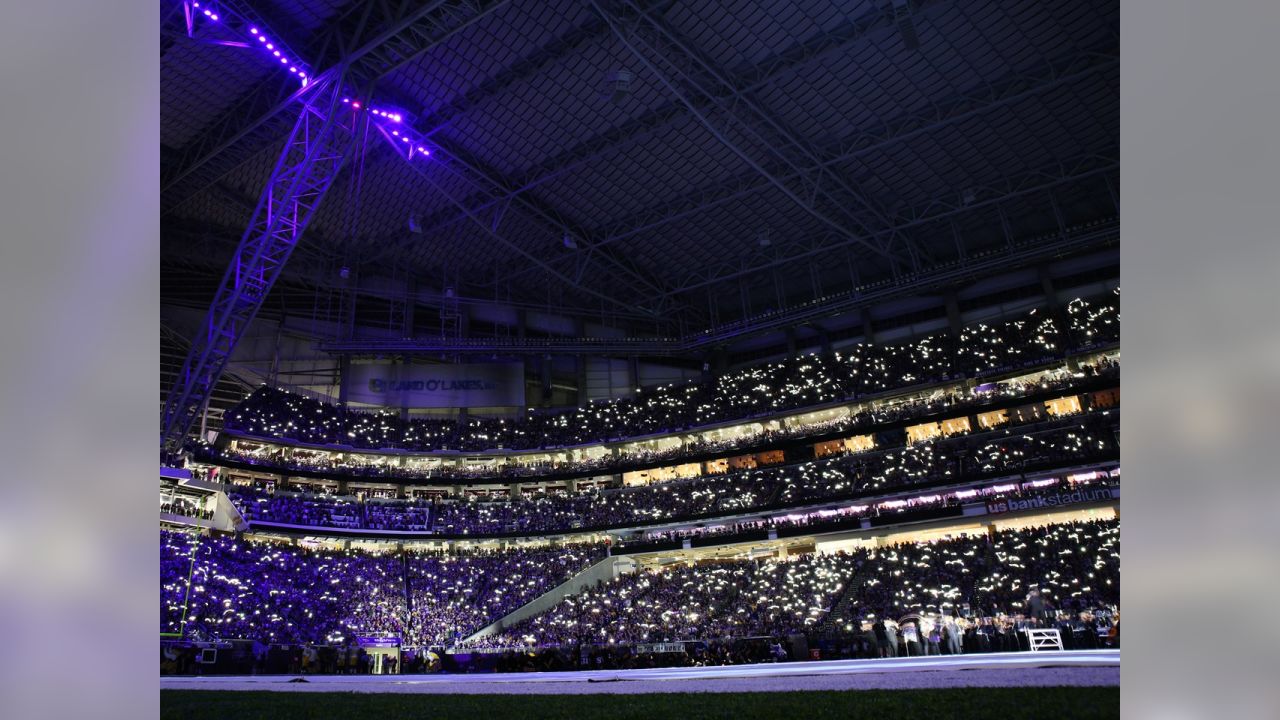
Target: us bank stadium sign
1043	502
380	385
438	386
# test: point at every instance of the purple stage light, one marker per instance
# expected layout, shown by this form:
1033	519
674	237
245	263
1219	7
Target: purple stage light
262	38
206	12
270	46
293	69
404	139
276	53
346	100
253	30
213	17
395	132
284	61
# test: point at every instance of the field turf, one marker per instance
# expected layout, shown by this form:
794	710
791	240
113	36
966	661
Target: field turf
953	703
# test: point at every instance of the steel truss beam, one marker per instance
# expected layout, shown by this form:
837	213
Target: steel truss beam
497	193
312	155
737	104
1020	255
494	185
637	129
723	124
311	159
1029	184
315	274
523	68
462	169
642	127
975	102
577	264
374	39
199	248
508	346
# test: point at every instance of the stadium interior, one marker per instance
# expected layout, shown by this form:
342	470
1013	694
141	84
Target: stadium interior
614	335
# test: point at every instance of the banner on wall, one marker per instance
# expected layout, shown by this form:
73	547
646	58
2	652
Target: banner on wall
677	647
1043	502
378	640
438	386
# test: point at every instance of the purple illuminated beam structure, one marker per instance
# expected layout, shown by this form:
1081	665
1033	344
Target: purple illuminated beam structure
318	145
321	140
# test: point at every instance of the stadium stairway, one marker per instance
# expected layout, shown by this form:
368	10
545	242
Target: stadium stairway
844	609
606	568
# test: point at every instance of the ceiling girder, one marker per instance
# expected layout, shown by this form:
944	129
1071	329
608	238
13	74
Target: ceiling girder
637	129
673	77
450	166
984	197
491	183
811	312
718	87
401	33
978	100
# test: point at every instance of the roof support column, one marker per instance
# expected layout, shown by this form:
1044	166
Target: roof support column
410	303
1056	311
633	372
580	364
344	381
953	313
544	373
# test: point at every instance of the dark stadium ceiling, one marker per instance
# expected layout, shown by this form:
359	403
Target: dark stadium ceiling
763	154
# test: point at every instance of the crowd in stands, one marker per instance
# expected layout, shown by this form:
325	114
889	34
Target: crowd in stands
187	507
453	595
717	600
923	593
227	588
1029	491
1034	446
411	515
961	594
865	417
317	510
799	382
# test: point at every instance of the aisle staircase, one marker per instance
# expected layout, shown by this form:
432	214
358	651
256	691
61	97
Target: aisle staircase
606	568
844	609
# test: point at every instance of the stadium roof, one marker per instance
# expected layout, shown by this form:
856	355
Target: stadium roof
661	167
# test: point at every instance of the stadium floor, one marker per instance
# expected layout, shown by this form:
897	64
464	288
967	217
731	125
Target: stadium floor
1042	669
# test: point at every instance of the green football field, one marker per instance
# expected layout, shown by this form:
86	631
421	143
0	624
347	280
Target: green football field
957	703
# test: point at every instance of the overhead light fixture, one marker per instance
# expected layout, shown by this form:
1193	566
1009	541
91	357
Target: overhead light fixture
620	81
